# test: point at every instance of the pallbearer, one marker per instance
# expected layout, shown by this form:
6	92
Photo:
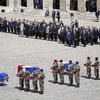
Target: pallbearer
61	71
55	70
41	81
35	76
88	67
70	72
21	78
96	68
77	74
27	79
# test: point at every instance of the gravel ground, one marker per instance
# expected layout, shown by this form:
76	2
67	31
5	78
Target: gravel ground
15	50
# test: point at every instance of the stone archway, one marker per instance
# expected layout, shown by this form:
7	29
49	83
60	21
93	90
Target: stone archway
38	4
24	3
91	5
56	4
3	2
74	5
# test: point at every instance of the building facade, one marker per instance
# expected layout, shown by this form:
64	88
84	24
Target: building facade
66	5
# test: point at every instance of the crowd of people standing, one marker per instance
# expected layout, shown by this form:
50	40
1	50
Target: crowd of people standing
72	35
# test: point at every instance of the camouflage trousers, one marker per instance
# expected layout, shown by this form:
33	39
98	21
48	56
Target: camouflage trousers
70	79
55	76
21	83
96	73
88	72
27	84
41	84
61	77
77	79
35	86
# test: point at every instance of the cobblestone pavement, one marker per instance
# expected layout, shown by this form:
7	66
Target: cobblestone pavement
15	50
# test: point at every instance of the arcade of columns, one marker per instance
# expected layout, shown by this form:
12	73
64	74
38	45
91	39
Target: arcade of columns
48	4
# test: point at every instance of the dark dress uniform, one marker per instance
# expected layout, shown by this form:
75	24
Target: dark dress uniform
4	25
58	16
53	16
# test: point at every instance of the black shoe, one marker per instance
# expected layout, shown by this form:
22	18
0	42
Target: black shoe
41	92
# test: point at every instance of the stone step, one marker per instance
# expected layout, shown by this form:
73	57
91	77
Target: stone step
64	14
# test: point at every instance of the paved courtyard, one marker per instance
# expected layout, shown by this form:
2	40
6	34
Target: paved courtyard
15	50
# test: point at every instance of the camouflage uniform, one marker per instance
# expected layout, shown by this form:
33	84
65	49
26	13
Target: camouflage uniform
96	69
55	72
61	72
77	74
41	81
88	67
70	73
35	80
21	79
27	80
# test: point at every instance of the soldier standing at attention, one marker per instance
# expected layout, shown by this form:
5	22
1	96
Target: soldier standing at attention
55	70
41	81
53	16
35	80
77	74
61	71
88	67
27	80
96	68
70	72
21	79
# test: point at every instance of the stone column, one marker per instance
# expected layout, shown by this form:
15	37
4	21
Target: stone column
98	4
63	4
7	2
81	5
11	3
50	4
45	4
67	5
30	4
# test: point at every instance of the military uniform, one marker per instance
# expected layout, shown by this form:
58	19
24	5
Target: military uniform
77	74
41	81
88	67
61	72
55	71
96	68
35	80
21	79
27	80
70	73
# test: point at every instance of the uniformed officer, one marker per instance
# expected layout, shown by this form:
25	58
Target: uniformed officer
27	79
35	76
58	16
96	68
88	67
21	78
55	70
77	74
53	16
41	81
70	72
61	71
